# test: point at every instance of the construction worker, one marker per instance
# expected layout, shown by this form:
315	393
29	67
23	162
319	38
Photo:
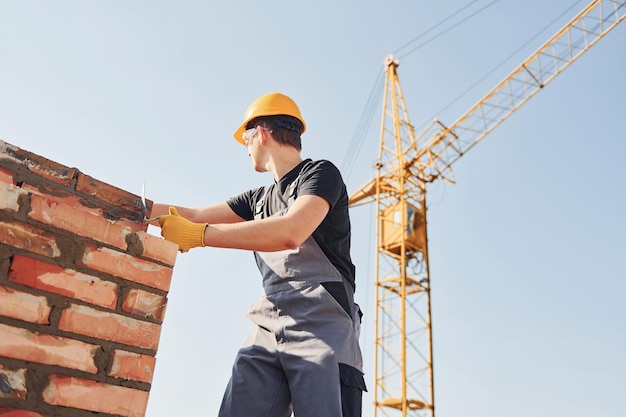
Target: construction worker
302	355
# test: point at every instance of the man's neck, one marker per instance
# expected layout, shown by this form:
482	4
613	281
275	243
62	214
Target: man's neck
283	162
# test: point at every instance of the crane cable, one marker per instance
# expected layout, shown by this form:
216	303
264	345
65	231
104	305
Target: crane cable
475	84
453	26
363	126
376	92
505	60
375	95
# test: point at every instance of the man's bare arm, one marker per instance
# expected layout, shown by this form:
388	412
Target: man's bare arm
273	233
216	213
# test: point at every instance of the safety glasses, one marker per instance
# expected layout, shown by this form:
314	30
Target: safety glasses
248	135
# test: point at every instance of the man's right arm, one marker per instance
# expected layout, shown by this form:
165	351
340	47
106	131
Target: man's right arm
216	213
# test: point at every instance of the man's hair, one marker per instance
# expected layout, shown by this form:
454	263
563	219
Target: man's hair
285	129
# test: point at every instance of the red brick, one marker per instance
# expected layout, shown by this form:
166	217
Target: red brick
158	249
105	192
6	176
14	383
29	346
126	266
23	306
11	412
80	220
145	304
130	365
36	164
64	196
109	326
9	195
32	239
95	396
52	278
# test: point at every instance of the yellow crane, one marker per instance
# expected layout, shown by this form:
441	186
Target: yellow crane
403	357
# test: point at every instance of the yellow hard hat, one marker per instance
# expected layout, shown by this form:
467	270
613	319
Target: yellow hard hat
270	104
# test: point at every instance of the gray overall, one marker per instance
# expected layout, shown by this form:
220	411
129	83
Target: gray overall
302	355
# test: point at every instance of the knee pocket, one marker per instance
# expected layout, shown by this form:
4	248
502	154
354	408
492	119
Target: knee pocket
352	387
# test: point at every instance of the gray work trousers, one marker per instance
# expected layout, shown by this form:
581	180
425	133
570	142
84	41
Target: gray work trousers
302	356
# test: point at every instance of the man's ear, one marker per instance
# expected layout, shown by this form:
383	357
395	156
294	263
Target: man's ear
265	135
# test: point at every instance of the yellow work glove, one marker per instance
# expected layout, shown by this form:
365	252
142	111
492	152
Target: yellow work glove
181	231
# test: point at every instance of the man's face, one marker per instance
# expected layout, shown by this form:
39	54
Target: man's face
253	139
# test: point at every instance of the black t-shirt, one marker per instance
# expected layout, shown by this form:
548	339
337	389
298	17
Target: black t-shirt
320	178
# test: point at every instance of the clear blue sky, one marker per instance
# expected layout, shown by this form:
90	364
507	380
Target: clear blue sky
526	249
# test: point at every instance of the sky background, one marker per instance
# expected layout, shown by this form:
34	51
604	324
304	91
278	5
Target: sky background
526	249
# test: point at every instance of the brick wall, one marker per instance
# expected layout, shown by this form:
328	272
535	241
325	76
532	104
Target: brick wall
83	290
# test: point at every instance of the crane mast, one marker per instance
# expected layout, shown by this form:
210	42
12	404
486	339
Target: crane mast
403	357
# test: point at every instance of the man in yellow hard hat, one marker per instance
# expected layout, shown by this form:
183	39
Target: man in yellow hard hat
302	355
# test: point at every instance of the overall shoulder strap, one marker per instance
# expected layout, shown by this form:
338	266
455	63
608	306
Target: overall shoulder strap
260	202
293	191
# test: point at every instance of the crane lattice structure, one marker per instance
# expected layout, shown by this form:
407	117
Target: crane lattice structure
403	368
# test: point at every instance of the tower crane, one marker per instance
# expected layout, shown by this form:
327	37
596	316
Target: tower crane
407	163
